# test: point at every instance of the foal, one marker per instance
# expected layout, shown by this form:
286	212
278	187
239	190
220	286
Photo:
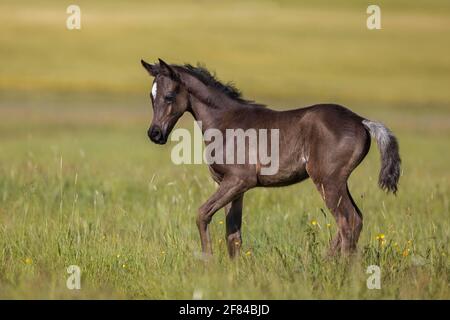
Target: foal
324	142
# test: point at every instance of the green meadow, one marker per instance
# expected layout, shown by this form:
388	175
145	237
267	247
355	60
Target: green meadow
81	184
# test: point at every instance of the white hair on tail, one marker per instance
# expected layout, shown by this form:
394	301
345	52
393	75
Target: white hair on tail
379	132
390	157
154	89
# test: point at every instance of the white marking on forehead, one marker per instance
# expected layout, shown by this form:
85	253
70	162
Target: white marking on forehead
154	89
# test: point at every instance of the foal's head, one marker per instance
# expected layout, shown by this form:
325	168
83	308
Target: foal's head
170	100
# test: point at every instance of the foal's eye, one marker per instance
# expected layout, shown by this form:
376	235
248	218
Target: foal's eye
170	98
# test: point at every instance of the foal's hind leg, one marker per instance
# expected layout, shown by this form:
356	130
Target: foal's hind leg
346	213
329	166
349	221
233	216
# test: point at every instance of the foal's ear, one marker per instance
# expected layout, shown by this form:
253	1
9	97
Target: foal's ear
151	68
167	70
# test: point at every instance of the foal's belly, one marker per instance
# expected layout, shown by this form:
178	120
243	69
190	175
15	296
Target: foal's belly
286	175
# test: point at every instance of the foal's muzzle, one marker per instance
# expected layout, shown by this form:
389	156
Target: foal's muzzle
156	134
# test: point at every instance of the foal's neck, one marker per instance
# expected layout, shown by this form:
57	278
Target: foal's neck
211	116
208	105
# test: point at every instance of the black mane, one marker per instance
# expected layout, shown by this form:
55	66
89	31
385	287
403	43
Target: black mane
204	75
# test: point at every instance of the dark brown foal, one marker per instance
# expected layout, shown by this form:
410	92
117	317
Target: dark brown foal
324	142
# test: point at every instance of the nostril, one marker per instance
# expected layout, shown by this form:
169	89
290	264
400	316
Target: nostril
154	133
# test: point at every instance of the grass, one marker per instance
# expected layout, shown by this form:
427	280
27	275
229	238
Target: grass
81	185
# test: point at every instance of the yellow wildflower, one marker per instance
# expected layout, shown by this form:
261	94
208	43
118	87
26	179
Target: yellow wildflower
248	253
314	222
28	261
380	236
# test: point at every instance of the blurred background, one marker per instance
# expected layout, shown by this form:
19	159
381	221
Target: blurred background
75	108
286	53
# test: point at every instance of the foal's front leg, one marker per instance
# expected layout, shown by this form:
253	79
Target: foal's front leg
229	189
233	216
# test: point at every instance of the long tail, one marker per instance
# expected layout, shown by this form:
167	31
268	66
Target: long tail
390	158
